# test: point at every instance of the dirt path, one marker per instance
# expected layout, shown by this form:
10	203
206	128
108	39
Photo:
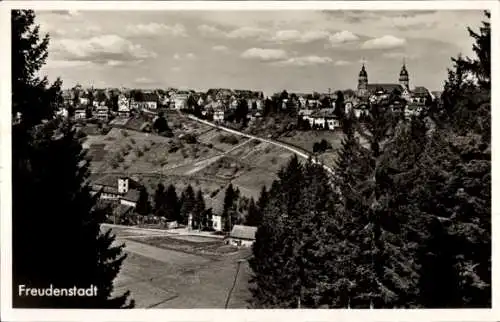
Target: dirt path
282	145
200	165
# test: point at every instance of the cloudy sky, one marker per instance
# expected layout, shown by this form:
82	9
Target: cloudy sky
261	50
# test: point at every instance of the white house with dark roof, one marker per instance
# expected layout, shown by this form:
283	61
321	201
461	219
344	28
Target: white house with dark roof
242	236
216	203
117	188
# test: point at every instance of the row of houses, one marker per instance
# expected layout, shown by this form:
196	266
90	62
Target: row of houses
124	193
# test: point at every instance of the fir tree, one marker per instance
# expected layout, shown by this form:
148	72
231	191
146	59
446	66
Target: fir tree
55	187
229	213
143	205
159	201
253	217
263	199
198	210
188	204
172	204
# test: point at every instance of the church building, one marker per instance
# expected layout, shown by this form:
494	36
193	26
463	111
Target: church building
366	89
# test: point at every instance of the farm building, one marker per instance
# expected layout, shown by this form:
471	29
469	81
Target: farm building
80	114
102	113
119	188
324	118
216	203
242	236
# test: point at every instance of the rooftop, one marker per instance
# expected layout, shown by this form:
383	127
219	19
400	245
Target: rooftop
243	232
132	195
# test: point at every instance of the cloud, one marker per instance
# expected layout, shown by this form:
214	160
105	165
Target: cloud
190	56
412	22
247	32
115	63
56	31
384	42
264	54
207	30
399	55
175	69
220	48
298	36
342	37
66	63
100	50
177	56
144	80
305	61
153	29
342	63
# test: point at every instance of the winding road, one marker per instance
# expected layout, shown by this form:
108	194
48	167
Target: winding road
304	154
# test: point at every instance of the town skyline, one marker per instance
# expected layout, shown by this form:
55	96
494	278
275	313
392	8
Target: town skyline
300	51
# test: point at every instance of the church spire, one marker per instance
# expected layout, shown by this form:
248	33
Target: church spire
404	78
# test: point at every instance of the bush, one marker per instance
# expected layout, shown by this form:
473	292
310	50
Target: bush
132	141
124	133
214	193
139	153
167	134
189	138
229	139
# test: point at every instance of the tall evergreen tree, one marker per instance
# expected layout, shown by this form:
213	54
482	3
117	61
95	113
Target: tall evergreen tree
229	213
188	204
253	217
159	201
172	204
198	210
49	247
143	205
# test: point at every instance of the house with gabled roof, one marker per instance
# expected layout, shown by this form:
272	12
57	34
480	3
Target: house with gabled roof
242	236
118	188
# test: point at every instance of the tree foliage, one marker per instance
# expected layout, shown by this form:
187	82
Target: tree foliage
406	219
57	238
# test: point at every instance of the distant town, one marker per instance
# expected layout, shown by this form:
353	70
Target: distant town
113	105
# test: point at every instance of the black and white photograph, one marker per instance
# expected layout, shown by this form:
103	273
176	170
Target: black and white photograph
265	157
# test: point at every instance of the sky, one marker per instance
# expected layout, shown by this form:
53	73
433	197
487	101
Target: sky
296	50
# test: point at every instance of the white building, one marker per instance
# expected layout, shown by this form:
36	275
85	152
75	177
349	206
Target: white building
242	236
218	116
80	114
217	222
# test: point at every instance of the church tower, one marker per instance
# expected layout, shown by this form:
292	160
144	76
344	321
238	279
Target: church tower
362	81
404	79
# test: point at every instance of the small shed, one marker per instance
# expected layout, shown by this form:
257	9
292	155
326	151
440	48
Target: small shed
242	236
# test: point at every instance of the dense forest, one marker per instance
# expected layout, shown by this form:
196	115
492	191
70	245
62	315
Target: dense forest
404	223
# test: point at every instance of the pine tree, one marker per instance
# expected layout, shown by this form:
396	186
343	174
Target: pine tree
253	217
289	248
188	204
263	199
172	204
143	205
54	187
454	187
198	210
159	201
229	213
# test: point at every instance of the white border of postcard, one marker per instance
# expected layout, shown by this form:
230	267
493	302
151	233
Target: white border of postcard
9	314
